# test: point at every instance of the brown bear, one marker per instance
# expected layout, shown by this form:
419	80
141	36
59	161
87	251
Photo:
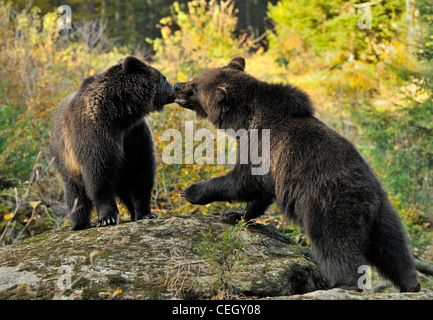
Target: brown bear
103	146
316	176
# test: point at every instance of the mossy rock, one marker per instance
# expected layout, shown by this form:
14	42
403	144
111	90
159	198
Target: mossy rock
150	259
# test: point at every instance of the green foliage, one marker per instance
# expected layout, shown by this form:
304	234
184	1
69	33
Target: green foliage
22	213
321	40
223	256
402	148
330	28
36	72
425	50
399	140
20	135
198	38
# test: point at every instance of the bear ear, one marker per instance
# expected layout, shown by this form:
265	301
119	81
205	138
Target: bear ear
221	94
237	63
133	65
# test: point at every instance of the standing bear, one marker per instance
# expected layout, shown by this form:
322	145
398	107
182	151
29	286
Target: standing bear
103	146
317	177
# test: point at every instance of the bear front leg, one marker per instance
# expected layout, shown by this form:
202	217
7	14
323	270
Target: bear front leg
100	191
108	213
237	185
79	205
198	193
224	188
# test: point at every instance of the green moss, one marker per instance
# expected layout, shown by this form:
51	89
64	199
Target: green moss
107	254
14	293
152	289
91	293
82	283
55	263
116	281
24	292
46	292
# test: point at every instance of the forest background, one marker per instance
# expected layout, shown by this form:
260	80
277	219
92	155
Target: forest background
367	66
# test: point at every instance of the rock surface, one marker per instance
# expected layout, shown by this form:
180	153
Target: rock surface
340	294
158	259
151	259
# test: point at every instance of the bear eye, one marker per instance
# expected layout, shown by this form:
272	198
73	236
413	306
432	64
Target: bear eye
191	90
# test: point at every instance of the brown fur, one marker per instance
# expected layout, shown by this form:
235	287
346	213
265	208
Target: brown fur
103	146
316	176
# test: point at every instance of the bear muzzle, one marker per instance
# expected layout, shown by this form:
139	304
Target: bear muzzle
178	88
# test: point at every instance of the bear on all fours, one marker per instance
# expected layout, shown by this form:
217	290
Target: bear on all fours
316	176
102	144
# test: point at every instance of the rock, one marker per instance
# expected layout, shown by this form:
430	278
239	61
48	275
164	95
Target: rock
13	275
340	294
151	259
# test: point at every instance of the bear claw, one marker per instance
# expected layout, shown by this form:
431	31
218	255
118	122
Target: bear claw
184	194
150	216
107	221
234	216
193	194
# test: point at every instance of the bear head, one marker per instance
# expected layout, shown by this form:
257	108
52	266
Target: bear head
220	95
133	80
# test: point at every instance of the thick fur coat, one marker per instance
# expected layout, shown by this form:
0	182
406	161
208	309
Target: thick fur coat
102	144
316	176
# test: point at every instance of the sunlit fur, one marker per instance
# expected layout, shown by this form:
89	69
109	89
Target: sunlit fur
317	177
103	146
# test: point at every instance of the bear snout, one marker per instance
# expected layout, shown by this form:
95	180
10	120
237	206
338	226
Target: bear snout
170	93
178	86
178	90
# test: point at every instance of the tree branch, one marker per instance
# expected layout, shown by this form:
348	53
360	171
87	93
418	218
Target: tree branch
424	267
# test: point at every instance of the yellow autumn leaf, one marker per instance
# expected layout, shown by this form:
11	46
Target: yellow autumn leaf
8	216
117	292
93	254
34	204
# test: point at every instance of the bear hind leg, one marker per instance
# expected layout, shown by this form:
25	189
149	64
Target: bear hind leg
140	198
340	255
389	252
342	269
127	201
138	173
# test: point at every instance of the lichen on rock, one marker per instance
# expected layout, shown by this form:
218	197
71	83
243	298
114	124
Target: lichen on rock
151	259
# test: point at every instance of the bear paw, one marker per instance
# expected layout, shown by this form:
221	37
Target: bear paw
234	216
107	221
193	194
148	216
